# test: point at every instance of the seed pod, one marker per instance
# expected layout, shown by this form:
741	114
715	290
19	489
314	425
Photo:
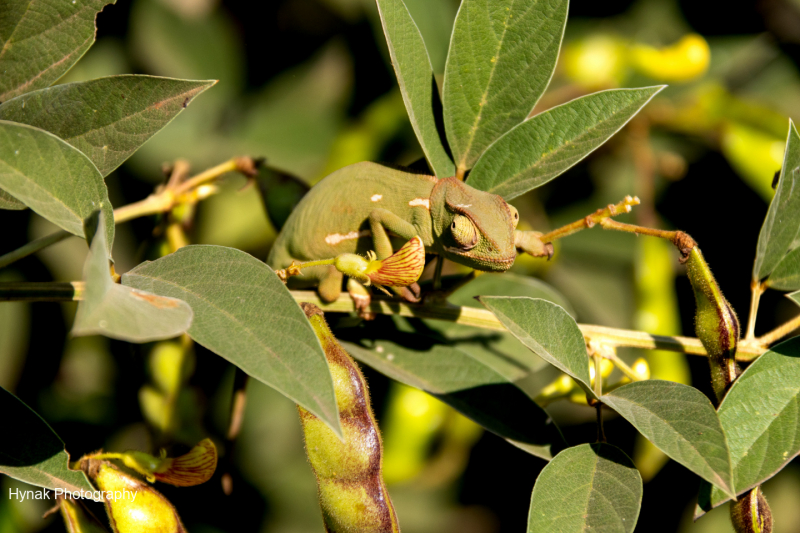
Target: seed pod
132	506
77	519
352	493
716	324
751	513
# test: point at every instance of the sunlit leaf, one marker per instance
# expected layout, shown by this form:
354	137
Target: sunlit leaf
481	389
546	145
41	39
591	487
681	422
760	416
417	84
121	312
244	313
108	118
52	178
502	55
786	276
782	223
547	330
32	452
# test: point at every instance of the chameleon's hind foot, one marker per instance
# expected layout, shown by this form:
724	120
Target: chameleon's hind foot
361	299
410	293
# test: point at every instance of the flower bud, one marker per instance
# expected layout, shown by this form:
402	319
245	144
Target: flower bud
193	468
716	324
683	61
132	506
751	513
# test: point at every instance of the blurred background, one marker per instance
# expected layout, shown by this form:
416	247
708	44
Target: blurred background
308	85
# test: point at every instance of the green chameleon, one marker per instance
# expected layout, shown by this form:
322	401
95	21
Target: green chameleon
367	206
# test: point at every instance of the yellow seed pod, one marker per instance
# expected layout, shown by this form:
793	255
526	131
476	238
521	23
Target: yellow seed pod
132	506
352	492
754	154
166	361
682	61
595	62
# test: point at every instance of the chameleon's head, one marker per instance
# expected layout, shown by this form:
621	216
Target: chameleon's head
473	227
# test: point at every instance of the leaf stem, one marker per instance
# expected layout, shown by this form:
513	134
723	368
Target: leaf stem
33	247
756	290
26	291
779	332
590	221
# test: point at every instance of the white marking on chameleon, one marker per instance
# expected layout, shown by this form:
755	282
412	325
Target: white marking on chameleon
335	238
423	202
463	206
376	197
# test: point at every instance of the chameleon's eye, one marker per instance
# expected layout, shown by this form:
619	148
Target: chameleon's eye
464	232
514	215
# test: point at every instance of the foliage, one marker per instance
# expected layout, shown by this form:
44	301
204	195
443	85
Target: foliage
501	365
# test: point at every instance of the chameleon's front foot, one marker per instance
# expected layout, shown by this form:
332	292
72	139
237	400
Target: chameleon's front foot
531	243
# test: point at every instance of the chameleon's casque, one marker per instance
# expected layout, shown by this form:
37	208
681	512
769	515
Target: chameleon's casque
367	206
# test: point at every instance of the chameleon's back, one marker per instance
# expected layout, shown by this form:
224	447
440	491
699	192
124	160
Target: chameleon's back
333	217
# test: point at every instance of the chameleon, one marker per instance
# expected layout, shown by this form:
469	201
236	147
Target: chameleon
368	206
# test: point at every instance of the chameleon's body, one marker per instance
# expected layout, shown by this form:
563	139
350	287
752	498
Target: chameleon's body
360	207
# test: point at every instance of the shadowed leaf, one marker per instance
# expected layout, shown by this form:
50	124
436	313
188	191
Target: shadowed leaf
244	313
9	202
591	487
108	118
417	84
681	422
502	55
546	145
41	39
786	276
124	313
52	178
760	416
782	223
547	330
32	452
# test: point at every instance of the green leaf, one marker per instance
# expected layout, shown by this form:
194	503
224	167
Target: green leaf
9	202
481	389
547	330
108	118
591	487
52	178
507	284
760	416
41	39
546	145
502	56
244	313
32	452
681	422
795	297
121	312
786	276
783	217
417	84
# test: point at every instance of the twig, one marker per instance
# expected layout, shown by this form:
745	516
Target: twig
590	221
756	290
33	247
779	332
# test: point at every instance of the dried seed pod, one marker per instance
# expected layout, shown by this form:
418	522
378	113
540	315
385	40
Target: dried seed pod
716	324
352	493
132	505
751	513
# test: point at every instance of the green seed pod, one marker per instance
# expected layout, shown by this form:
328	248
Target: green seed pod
352	493
751	513
132	505
716	324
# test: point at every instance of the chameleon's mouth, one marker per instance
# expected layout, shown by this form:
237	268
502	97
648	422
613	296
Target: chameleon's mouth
491	263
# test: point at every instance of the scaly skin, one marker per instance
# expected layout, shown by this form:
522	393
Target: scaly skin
359	208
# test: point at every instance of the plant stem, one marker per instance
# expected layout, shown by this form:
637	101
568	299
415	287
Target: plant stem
245	165
20	291
33	247
591	220
780	332
756	290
